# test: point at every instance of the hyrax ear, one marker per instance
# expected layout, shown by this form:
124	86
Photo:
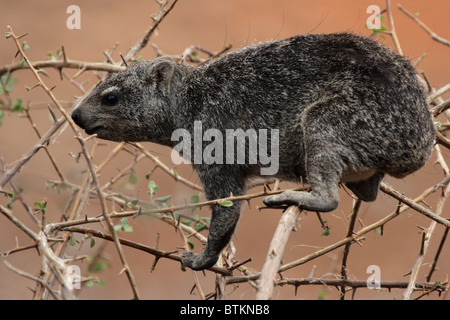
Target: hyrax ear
162	71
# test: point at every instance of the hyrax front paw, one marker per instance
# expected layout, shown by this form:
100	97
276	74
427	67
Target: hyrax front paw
197	261
187	259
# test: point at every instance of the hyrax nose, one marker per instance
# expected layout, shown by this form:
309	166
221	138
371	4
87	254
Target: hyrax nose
76	117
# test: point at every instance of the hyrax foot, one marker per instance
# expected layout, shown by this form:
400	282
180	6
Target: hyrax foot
310	201
366	190
197	261
288	197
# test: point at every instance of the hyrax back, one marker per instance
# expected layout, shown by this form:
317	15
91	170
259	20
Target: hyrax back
347	109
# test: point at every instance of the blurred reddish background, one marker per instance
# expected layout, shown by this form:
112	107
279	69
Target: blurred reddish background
211	25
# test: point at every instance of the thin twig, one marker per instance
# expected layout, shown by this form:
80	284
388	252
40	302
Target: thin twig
413	205
357	283
346	250
8	213
163	12
19	164
438	253
34	278
392	27
61	64
433	35
166	169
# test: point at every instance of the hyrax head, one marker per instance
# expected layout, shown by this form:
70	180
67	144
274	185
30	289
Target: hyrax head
130	105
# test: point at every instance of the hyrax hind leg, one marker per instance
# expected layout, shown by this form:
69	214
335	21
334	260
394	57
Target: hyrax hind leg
323	170
324	163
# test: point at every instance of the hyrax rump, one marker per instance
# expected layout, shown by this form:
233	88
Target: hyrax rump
348	110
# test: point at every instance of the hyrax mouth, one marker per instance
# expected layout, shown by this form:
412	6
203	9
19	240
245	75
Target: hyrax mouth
94	130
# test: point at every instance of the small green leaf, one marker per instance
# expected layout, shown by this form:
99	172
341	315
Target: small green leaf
322	294
163	199
128	228
7	82
73	240
195	199
76	156
92	244
133	204
40	206
199	227
202	226
100	266
226	203
12	197
25	46
125	225
206	219
187	222
18	106
132	178
101	283
152	187
326	231
191	245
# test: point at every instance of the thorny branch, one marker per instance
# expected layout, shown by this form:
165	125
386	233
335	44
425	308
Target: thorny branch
157	19
89	161
52	280
63	64
433	35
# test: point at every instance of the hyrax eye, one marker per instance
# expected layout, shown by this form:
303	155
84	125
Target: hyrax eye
111	99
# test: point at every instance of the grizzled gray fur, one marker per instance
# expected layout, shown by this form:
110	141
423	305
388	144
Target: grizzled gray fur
348	110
